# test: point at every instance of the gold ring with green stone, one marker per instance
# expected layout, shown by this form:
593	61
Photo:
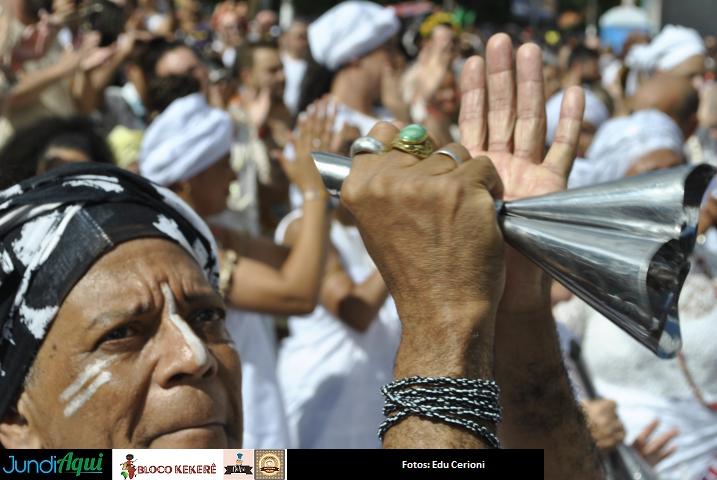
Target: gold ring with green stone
413	139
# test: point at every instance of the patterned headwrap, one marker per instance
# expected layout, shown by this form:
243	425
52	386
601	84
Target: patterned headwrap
54	227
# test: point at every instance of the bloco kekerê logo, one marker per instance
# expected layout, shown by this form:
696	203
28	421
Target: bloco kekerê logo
70	463
128	468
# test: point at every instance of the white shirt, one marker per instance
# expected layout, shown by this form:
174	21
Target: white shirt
265	423
646	387
331	374
294	71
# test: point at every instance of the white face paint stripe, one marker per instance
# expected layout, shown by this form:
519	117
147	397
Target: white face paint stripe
195	344
85	395
92	371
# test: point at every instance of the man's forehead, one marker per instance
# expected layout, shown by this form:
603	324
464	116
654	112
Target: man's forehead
145	261
266	54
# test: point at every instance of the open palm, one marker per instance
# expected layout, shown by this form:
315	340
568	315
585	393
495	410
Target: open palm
503	117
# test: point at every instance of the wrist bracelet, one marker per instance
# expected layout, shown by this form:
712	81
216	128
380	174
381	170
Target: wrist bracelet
464	402
314	194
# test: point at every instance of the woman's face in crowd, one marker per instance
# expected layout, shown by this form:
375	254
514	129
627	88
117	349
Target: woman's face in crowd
183	61
138	356
268	71
208	191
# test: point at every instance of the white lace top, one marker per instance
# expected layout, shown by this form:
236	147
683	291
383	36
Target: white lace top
646	387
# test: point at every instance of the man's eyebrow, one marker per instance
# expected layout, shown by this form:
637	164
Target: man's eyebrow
107	318
202	296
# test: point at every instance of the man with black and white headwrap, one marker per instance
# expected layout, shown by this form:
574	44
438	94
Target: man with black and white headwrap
109	297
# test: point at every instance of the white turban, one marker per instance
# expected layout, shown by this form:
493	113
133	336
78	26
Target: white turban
672	46
184	140
350	30
596	113
622	141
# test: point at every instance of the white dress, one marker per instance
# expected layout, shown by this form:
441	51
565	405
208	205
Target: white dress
647	388
265	423
331	374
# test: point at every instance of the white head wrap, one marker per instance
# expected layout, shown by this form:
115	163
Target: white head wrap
672	46
596	113
622	141
184	140
350	30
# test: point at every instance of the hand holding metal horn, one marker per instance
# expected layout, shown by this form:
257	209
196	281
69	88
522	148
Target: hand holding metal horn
623	247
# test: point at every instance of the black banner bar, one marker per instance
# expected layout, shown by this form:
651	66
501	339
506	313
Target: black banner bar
415	464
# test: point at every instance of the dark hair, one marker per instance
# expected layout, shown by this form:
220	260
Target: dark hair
581	54
316	83
162	91
21	156
152	52
32	8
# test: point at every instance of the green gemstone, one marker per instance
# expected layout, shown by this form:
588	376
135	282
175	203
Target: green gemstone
413	133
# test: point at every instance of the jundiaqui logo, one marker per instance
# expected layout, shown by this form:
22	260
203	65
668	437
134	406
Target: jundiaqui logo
69	464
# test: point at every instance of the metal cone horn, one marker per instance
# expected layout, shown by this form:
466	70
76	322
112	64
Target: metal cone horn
623	246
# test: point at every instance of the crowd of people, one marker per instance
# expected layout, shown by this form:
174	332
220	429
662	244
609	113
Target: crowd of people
162	213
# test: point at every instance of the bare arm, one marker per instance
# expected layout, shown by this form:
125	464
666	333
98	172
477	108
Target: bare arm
293	288
539	408
245	245
503	116
443	267
31	85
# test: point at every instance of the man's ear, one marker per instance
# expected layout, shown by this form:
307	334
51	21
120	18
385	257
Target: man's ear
15	430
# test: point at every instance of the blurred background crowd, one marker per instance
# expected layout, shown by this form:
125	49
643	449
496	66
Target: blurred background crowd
223	102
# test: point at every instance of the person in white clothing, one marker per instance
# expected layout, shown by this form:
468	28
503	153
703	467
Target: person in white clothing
335	360
187	148
294	50
680	393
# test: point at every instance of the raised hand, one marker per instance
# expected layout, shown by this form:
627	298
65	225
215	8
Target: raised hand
503	116
314	133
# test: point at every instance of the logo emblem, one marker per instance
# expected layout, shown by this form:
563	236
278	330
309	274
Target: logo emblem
270	464
238	467
128	468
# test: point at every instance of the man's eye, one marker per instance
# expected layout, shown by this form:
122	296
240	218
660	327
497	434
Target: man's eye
118	333
208	315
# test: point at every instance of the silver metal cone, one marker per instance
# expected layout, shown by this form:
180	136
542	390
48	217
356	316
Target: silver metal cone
657	202
632	280
622	246
333	169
